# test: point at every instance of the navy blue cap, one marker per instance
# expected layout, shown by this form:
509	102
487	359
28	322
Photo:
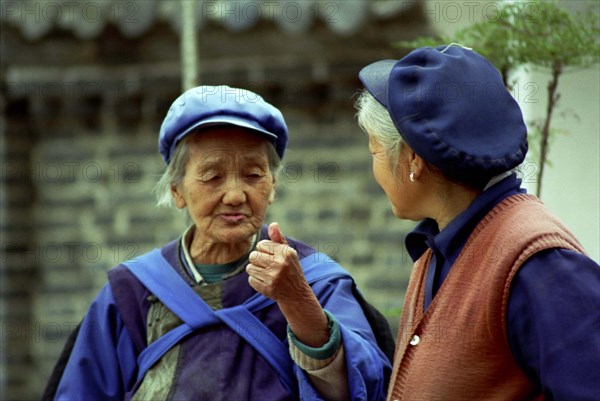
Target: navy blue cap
206	106
451	107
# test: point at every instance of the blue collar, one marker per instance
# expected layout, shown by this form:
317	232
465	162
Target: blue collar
449	242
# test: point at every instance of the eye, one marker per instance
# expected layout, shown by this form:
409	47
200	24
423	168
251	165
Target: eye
255	174
209	176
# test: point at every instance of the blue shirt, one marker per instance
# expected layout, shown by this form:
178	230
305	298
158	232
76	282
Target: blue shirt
553	315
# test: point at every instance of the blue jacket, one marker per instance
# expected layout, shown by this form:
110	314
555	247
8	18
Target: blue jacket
214	362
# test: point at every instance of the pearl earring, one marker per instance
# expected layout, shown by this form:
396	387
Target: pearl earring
412	176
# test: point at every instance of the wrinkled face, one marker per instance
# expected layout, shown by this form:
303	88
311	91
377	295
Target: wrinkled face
227	185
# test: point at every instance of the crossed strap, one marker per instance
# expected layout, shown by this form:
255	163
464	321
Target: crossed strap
161	279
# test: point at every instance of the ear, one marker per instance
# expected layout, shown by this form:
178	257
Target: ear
411	163
178	197
417	166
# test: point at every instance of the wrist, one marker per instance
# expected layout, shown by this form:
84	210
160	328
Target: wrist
308	322
327	350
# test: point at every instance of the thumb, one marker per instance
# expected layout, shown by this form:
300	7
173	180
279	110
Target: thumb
275	234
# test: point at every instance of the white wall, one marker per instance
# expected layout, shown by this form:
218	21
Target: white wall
571	186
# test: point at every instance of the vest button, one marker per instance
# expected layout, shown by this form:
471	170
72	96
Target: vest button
415	340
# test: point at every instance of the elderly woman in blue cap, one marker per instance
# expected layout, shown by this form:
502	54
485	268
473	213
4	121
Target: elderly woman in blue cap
502	303
233	309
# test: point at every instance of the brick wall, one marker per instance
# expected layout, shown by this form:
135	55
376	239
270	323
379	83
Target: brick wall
79	161
17	269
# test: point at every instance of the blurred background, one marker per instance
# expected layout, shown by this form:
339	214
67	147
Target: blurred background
85	86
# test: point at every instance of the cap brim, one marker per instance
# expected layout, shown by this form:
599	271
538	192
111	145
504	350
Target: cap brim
224	120
375	78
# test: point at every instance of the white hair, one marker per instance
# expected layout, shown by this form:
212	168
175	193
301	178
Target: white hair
376	121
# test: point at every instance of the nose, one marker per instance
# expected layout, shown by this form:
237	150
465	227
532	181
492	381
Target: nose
234	194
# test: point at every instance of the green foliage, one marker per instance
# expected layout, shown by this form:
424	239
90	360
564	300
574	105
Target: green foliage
534	34
392	312
556	37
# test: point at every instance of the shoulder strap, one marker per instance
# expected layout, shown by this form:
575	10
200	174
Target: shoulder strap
157	275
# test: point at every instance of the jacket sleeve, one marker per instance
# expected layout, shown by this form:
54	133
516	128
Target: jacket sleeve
366	365
553	321
103	362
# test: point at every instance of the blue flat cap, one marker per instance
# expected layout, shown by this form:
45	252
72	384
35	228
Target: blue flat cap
451	107
205	106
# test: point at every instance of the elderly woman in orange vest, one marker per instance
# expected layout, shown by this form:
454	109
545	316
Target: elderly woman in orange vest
503	303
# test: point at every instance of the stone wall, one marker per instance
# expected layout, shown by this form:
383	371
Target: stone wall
79	160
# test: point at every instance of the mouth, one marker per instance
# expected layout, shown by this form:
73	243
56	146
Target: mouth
232	217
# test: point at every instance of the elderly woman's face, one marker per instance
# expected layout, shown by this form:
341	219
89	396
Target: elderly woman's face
227	185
